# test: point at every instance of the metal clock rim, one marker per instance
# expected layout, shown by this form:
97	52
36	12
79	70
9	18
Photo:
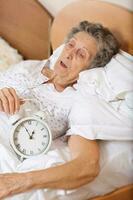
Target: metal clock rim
12	134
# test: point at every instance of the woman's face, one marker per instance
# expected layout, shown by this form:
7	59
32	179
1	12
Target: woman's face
76	56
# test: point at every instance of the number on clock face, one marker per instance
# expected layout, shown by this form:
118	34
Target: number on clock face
31	137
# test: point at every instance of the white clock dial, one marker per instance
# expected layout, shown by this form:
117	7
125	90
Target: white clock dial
31	137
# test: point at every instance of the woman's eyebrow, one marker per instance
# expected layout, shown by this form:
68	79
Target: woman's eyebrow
83	46
87	49
74	38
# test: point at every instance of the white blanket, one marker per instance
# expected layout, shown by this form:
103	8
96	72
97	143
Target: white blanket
114	172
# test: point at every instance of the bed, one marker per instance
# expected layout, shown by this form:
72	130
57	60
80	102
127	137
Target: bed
17	28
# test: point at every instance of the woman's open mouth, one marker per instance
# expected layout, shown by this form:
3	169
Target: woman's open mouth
63	64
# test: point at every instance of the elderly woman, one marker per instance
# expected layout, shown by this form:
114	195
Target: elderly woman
88	45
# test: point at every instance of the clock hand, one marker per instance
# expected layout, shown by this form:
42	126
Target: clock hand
33	132
30	136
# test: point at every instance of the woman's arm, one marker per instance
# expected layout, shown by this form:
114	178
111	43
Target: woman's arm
82	169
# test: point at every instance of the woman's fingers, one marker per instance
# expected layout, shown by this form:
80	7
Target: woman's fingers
1	106
16	100
9	101
5	103
10	105
22	101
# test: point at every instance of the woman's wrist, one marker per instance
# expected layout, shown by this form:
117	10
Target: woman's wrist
23	182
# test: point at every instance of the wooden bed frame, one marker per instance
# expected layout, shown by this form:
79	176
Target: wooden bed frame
25	24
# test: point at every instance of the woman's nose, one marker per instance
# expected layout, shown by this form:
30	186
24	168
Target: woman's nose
70	53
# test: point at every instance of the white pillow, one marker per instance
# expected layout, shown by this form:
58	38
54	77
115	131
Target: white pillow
56	53
110	82
100	113
8	55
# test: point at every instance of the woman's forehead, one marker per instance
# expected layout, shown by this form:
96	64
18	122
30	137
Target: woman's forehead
85	40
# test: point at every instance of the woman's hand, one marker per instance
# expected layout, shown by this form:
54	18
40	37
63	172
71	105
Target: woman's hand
5	185
11	184
9	101
81	170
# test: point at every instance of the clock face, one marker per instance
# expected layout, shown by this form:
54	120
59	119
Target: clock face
30	137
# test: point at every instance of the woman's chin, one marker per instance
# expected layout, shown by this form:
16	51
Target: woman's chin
61	73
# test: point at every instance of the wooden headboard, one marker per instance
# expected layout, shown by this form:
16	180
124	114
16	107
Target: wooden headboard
117	19
25	24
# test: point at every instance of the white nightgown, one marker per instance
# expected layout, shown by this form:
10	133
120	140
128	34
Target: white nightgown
56	105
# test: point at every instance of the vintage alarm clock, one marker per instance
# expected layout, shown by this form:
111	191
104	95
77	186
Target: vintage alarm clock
30	136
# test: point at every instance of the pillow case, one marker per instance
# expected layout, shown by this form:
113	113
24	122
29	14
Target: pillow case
110	82
103	115
56	53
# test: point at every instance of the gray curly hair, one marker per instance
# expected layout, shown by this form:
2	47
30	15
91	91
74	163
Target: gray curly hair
107	43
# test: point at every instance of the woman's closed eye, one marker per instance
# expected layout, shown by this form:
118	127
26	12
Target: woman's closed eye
70	44
81	53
